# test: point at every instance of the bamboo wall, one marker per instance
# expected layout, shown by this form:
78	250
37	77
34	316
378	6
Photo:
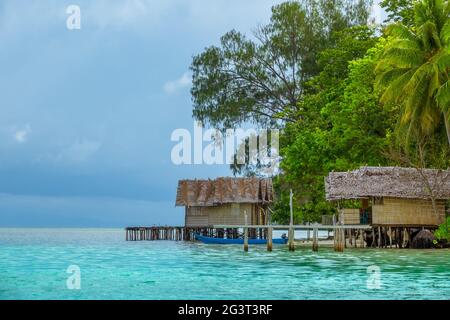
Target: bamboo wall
349	216
227	214
407	212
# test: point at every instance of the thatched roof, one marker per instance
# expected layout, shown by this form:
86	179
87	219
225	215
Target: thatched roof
387	182
224	190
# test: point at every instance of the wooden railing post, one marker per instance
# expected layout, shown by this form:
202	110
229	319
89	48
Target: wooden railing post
245	233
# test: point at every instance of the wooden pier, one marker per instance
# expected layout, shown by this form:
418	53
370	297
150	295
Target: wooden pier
177	233
343	235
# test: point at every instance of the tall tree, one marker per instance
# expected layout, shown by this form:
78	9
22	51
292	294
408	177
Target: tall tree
341	128
261	79
413	72
399	11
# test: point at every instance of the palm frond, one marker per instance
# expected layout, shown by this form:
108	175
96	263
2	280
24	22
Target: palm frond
383	80
419	78
443	97
394	92
420	13
400	31
414	102
445	33
442	61
413	69
434	83
404	44
402	58
430	117
430	36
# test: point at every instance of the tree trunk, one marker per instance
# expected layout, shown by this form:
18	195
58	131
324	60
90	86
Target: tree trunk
447	125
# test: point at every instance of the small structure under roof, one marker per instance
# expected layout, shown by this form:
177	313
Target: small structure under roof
395	182
225	201
398	196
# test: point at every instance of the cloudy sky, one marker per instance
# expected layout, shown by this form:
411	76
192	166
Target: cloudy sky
86	115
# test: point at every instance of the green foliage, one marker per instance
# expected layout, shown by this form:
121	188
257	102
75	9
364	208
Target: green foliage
399	10
261	79
342	125
413	71
443	232
343	96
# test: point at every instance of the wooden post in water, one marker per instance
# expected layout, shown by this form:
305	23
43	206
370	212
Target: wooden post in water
245	233
361	236
269	238
345	237
373	237
339	237
315	245
405	237
291	225
353	233
337	234
269	231
379	237
334	238
308	233
390	237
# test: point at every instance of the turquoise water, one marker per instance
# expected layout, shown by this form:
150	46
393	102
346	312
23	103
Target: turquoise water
33	265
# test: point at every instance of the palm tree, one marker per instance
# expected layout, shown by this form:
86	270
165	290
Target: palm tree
413	71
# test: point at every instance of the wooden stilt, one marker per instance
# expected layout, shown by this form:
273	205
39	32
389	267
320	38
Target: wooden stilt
405	238
361	234
334	239
345	237
339	235
291	224
245	234
373	237
308	234
379	237
269	238
390	237
291	239
315	244
245	239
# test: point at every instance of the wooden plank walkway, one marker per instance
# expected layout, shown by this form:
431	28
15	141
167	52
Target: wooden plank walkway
354	233
296	227
176	233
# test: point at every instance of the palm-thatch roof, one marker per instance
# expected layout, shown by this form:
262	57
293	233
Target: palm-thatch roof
224	190
393	182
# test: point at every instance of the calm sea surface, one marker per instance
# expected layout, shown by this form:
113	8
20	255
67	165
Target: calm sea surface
34	263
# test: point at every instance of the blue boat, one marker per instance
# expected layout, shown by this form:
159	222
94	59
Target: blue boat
210	240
